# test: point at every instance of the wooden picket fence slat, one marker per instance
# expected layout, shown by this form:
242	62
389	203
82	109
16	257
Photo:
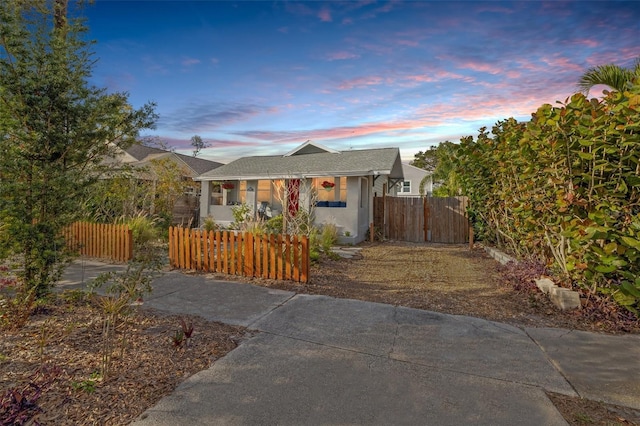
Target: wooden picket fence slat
100	240
280	257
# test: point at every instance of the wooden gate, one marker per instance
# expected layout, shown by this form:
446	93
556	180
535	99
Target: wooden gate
417	219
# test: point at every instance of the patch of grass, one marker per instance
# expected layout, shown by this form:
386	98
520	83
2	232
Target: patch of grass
583	418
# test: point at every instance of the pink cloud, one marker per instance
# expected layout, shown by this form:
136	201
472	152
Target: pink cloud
325	15
431	76
528	65
586	42
624	55
422	78
361	82
410	43
481	67
332	133
339	56
563	63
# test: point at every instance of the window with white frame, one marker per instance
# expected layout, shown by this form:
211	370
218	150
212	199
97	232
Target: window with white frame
404	186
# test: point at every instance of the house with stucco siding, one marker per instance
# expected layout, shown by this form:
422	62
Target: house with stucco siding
336	186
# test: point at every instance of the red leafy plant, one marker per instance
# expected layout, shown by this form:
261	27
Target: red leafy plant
19	405
521	275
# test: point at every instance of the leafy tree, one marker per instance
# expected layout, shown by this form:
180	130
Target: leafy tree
167	185
440	160
129	192
120	195
611	75
55	129
198	144
445	173
427	160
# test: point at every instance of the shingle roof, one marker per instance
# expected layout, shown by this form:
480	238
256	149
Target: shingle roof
364	162
145	153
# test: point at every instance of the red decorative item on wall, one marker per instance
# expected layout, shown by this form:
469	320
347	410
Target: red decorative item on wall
328	185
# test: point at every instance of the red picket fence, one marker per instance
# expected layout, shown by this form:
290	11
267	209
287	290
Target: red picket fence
99	240
281	257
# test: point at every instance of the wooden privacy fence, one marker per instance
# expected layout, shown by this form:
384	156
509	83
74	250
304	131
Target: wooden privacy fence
100	240
423	219
281	257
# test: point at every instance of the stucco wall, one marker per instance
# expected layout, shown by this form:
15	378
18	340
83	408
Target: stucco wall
415	176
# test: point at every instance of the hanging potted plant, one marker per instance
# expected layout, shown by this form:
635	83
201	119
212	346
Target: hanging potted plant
227	186
328	185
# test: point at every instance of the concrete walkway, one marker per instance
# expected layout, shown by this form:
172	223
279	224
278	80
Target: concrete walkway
320	360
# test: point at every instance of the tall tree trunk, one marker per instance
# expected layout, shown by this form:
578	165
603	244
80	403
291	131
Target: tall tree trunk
60	14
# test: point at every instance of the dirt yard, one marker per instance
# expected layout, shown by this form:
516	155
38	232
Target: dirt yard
438	277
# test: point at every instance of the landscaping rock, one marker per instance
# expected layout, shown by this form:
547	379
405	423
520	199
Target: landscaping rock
545	285
564	298
501	257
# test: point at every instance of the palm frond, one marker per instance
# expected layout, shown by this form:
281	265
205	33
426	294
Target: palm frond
610	75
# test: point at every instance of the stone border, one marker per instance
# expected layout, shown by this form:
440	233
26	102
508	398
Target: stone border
501	257
562	297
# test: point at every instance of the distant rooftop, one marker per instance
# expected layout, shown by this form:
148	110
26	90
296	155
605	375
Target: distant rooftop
144	153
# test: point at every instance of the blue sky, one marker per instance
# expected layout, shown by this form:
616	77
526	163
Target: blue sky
259	78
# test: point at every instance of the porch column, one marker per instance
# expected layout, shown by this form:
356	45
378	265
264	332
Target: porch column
205	199
251	196
370	201
305	194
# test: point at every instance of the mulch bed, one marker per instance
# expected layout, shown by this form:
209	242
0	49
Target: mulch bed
58	353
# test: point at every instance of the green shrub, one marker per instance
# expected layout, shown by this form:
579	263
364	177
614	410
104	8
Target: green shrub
143	228
328	237
256	227
274	225
210	224
241	214
564	187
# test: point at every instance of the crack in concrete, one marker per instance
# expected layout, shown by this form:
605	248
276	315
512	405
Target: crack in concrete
278	306
553	362
419	364
397	332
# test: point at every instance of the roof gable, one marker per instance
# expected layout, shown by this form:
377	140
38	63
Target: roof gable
310	147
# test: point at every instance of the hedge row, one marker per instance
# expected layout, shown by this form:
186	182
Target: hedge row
565	188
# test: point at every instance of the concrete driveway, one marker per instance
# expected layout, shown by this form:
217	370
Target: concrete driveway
320	360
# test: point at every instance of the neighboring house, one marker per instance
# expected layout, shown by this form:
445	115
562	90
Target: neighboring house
187	204
413	177
267	184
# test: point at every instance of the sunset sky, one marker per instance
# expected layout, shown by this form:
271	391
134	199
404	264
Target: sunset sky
258	78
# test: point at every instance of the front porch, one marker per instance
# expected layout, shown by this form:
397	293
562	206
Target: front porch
330	199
